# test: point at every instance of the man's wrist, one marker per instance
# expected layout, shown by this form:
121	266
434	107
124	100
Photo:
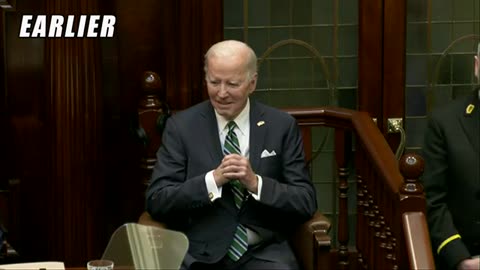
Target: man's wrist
259	181
214	191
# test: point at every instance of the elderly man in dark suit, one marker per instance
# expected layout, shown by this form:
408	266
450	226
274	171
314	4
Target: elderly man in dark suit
231	172
452	181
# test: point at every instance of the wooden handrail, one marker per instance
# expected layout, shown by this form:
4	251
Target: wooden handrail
364	127
376	146
413	226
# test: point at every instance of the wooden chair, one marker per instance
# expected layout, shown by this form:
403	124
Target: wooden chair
310	242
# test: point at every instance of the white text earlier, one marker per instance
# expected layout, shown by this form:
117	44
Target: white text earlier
56	26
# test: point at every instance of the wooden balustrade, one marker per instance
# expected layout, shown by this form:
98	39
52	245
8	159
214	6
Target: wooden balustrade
390	201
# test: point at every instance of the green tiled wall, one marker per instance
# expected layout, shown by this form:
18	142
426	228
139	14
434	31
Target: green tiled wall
439	59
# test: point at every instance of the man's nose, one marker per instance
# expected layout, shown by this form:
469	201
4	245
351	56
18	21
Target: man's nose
222	92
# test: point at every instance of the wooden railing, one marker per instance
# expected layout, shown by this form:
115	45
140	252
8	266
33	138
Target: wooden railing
390	220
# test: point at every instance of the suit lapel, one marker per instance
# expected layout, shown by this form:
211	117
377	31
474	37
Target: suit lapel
471	121
257	134
211	137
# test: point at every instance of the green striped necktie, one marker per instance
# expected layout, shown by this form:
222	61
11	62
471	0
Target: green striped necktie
239	244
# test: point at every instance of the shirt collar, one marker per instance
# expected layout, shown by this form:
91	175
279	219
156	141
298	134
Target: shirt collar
242	119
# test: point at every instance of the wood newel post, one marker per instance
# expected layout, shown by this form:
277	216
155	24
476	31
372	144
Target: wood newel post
411	168
152	115
411	197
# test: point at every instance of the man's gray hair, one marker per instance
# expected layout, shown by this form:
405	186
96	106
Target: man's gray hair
229	47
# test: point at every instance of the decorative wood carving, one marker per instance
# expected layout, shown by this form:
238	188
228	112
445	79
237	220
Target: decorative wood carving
411	167
152	114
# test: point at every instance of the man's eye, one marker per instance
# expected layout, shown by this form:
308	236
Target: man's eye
233	85
214	82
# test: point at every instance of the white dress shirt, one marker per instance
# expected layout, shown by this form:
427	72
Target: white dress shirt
243	134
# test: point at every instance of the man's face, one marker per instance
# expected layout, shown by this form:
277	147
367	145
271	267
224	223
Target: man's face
228	84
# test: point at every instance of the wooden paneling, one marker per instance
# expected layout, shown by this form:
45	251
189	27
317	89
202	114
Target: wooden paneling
394	64
3	118
25	131
190	28
381	60
168	37
69	105
370	47
77	190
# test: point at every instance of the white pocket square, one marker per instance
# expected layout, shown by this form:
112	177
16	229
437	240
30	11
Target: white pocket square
265	154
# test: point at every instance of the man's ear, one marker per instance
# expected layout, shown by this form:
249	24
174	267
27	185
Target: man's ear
476	66
253	83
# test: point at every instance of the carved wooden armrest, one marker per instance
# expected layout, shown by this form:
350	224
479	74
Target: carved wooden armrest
311	243
146	219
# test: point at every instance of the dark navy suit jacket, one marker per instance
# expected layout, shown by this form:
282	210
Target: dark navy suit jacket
191	147
452	180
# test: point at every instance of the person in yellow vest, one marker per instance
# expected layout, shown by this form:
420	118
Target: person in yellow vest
452	181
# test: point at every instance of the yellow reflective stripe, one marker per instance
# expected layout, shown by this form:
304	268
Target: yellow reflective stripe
448	240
